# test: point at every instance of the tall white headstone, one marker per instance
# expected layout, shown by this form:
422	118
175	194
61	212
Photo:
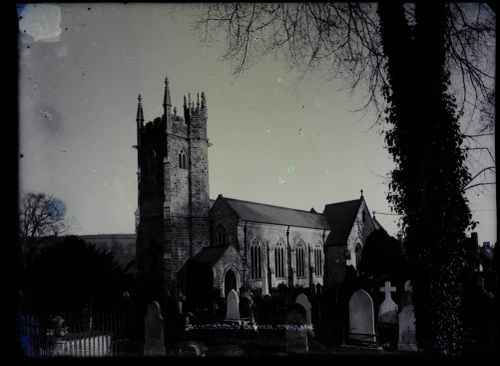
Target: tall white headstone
387	312
304	302
232	306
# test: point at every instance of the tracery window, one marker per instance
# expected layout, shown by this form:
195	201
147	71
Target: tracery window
279	260
300	259
256	259
220	236
318	260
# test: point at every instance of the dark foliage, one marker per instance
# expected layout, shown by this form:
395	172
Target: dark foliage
382	258
71	274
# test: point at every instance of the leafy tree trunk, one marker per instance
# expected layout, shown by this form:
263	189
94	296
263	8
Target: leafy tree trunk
427	184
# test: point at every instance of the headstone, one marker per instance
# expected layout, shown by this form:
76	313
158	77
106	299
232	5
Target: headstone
408	286
388	310
232	306
154	341
407	340
303	301
296	338
361	317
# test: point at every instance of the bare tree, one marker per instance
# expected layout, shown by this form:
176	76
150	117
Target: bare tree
41	216
422	66
344	40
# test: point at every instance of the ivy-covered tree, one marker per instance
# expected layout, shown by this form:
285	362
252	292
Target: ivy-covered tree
403	56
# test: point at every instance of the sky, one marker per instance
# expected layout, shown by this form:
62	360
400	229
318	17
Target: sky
81	67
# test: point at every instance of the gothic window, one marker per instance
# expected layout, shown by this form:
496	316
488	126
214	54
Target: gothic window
300	259
255	259
363	214
279	260
220	236
318	260
182	160
357	251
150	168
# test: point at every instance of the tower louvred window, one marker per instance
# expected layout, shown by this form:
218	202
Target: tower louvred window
182	160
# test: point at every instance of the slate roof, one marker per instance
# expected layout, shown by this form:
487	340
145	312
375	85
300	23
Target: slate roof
341	218
264	213
209	254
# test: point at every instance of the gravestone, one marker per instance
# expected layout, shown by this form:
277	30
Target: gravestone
154	341
296	338
407	340
361	318
303	301
388	310
232	306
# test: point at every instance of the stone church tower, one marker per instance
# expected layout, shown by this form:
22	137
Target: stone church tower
173	222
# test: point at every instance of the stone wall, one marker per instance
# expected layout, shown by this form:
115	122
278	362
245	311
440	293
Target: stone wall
359	232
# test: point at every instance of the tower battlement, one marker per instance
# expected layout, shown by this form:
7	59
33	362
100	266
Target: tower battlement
173	193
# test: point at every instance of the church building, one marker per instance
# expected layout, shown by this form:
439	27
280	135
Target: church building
192	248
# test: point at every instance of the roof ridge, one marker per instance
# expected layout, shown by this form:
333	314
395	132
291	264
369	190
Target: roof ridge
338	203
267	204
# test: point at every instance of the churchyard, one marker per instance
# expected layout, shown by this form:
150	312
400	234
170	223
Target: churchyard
266	325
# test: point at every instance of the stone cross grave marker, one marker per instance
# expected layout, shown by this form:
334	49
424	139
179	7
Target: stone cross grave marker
233	306
296	339
154	336
387	312
361	318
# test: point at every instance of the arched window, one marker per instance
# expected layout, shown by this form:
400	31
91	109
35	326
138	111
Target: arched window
151	161
220	236
255	259
300	259
279	260
363	214
318	259
357	251
182	160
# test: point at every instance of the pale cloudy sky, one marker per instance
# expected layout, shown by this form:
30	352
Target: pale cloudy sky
82	66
